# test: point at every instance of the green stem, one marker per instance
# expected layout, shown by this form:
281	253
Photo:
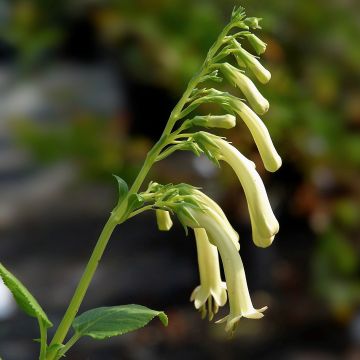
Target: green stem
43	339
68	345
83	285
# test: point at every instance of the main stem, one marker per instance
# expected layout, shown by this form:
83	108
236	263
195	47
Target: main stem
117	215
84	283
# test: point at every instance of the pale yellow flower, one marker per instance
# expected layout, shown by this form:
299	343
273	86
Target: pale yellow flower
211	293
264	223
238	292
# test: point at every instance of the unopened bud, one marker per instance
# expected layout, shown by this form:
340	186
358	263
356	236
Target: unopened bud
252	94
215	121
163	219
253	22
242	56
258	45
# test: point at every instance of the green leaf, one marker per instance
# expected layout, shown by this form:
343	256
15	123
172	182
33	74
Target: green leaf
23	297
111	321
123	188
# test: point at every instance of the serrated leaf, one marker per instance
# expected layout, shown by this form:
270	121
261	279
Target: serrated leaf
123	188
111	321
23	297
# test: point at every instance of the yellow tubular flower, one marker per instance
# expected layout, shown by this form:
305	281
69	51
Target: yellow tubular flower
211	293
252	94
163	219
260	133
238	292
212	204
264	223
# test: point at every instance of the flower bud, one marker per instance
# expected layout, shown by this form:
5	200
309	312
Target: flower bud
253	22
163	219
258	45
252	94
262	74
215	121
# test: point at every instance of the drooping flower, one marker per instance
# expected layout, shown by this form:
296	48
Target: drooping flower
211	293
252	94
260	133
238	292
163	219
263	221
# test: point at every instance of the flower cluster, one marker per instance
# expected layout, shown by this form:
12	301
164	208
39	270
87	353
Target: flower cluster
213	233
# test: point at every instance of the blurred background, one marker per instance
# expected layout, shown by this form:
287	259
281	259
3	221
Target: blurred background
86	88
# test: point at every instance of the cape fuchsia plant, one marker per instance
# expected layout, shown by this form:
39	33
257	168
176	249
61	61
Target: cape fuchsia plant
213	233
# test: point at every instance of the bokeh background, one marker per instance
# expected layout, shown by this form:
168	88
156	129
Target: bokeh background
86	88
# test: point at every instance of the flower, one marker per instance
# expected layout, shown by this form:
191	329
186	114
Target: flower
260	133
263	221
211	293
252	94
250	61
238	292
163	219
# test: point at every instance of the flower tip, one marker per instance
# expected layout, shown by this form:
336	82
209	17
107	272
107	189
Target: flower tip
263	107
264	242
265	76
274	164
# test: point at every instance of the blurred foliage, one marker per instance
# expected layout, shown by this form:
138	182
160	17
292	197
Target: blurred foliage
98	146
314	56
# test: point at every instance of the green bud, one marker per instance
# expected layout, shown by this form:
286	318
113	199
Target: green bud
258	45
215	121
253	22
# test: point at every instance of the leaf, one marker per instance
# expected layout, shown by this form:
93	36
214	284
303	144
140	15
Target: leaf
23	297
111	321
123	188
